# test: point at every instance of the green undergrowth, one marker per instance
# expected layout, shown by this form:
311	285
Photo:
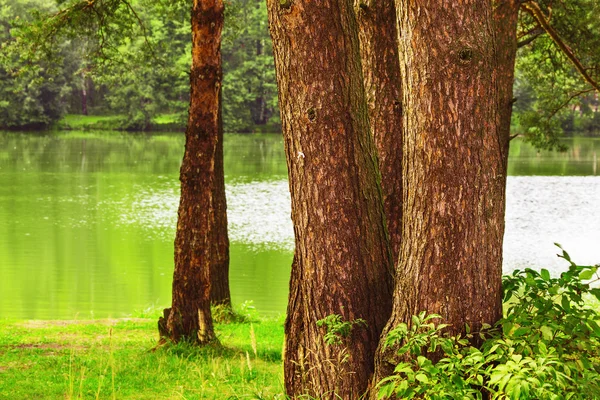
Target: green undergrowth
118	359
546	347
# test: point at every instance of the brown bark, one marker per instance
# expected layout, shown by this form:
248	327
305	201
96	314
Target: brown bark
201	243
506	15
342	258
381	70
219	274
454	166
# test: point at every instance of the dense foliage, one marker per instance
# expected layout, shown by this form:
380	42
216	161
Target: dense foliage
546	346
552	96
134	64
34	96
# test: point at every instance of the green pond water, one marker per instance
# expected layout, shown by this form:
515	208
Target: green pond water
87	220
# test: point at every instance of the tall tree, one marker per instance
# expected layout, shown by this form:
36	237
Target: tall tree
342	261
453	168
381	71
201	244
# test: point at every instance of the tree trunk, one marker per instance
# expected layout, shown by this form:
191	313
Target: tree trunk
260	117
506	16
219	275
454	167
379	54
84	95
260	103
201	243
342	262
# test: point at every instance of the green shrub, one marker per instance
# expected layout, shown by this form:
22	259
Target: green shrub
547	346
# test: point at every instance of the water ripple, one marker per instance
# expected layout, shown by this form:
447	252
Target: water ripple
540	211
258	213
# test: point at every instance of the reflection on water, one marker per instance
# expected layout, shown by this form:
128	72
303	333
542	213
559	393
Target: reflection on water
581	158
542	210
87	220
259	215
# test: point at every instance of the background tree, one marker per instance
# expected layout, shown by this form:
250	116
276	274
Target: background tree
201	243
342	266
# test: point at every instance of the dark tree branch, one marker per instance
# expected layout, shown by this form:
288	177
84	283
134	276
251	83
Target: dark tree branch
142	26
569	99
533	34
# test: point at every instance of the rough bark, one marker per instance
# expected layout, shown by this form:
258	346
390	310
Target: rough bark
381	70
219	275
454	167
506	15
342	262
201	243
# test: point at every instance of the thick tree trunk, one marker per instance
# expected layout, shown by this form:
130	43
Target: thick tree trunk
454	167
381	70
201	243
342	261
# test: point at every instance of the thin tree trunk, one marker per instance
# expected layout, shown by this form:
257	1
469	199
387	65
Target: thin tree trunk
342	262
379	54
260	101
453	169
84	96
201	243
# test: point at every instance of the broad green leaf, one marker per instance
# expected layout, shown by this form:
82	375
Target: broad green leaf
545	275
587	274
547	333
520	331
565	303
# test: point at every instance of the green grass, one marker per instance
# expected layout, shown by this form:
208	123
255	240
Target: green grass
115	122
114	359
82	122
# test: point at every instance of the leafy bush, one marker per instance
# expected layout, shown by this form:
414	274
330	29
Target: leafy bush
546	347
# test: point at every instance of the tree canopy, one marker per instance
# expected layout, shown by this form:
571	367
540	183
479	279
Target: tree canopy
130	59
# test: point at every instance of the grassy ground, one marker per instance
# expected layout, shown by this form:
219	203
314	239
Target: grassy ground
114	359
167	122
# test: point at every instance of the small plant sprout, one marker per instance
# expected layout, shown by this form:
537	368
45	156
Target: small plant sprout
337	329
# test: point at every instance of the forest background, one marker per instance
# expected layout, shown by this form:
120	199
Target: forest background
108	78
113	78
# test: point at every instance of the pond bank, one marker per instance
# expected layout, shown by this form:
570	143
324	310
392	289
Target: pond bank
160	123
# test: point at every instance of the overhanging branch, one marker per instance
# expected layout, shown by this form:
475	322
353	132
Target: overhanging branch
536	12
531	36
